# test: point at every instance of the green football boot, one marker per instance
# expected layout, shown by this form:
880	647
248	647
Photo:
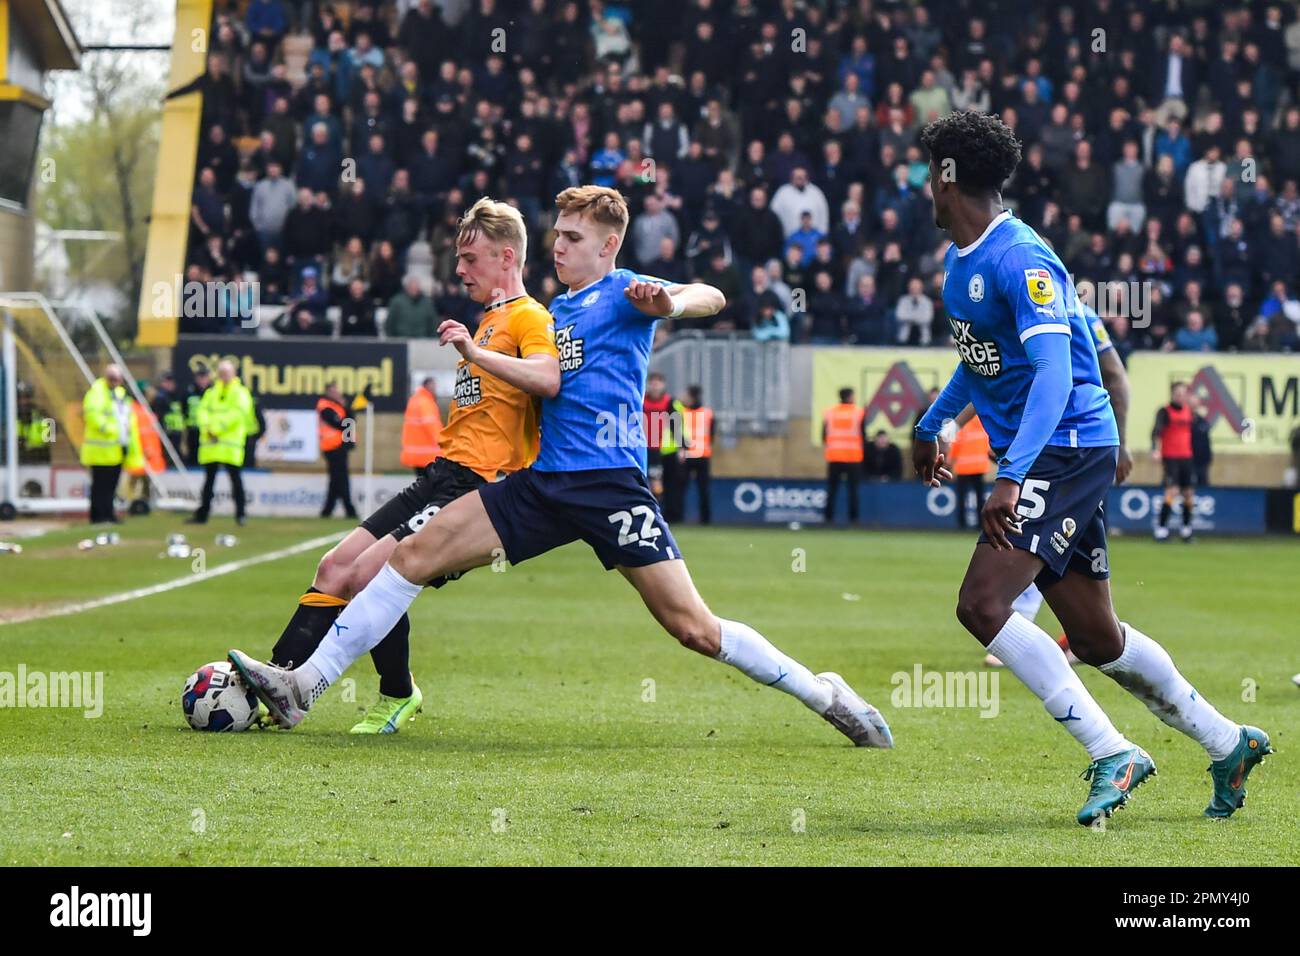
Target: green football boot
388	713
1114	779
1230	773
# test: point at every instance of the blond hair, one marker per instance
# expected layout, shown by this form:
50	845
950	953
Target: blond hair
600	203
497	222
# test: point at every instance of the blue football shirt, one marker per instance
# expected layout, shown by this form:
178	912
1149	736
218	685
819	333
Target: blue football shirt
999	292
604	344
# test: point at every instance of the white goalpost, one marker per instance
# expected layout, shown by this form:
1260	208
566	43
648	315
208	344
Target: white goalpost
171	498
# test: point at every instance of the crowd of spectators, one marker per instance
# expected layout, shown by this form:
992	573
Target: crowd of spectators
768	148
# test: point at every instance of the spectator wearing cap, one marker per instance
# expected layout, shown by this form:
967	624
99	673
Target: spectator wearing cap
311	294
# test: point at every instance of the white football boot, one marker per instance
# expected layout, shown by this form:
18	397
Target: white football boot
854	717
274	686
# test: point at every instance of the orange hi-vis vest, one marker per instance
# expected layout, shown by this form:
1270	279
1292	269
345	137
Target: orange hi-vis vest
150	457
699	430
421	429
970	449
330	437
1176	439
844	433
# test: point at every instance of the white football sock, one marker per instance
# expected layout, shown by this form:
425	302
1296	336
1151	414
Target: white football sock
1147	672
1029	603
758	659
1037	660
364	622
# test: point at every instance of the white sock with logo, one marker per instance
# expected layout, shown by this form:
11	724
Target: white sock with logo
1036	659
1146	671
760	660
364	622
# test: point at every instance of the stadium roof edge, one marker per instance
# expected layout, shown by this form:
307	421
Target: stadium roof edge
51	30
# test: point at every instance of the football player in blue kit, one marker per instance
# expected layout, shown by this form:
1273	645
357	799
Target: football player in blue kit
588	483
1029	367
1115	380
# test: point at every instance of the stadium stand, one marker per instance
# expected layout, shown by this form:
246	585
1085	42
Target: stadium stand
769	148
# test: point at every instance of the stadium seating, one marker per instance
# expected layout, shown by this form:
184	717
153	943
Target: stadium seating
767	148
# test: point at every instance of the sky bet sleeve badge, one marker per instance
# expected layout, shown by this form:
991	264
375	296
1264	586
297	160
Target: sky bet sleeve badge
1040	286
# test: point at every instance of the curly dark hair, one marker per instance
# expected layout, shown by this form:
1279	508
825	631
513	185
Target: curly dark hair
984	150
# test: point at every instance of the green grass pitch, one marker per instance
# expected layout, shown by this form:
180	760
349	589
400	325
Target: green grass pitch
561	726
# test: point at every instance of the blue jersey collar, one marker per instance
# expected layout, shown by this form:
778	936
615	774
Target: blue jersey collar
997	221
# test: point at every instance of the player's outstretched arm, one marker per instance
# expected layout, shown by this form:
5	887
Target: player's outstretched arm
693	301
535	374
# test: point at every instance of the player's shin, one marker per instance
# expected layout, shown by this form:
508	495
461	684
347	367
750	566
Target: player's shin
310	623
392	660
364	622
1035	658
760	660
1147	672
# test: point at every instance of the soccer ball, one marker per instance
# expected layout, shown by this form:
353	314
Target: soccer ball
214	700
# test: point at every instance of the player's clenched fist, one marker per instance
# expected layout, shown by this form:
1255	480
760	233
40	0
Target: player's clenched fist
649	297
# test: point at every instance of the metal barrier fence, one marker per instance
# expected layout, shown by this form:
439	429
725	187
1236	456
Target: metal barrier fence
745	382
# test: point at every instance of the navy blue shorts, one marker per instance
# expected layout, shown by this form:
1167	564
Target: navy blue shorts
1061	501
611	509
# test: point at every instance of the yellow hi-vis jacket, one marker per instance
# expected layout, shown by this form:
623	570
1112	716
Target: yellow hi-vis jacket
101	443
225	418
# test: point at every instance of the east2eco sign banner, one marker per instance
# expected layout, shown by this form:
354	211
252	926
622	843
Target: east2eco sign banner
1251	401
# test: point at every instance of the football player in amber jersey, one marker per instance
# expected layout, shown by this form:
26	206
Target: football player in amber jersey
492	431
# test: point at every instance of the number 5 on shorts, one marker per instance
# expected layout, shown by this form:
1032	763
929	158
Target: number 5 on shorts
1031	504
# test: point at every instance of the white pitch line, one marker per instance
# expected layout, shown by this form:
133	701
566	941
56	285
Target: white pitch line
233	566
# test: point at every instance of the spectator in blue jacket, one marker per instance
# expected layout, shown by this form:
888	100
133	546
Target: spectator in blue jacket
1195	335
1171	142
267	21
320	164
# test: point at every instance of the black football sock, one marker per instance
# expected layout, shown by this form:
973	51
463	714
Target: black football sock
1165	511
392	659
307	628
